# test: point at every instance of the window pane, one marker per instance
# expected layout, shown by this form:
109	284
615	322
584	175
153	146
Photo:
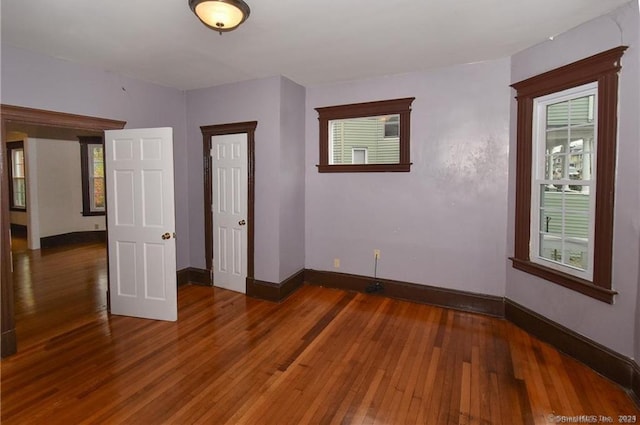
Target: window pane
581	110
392	126
18	162
557	141
364	133
98	192
576	225
97	153
558	115
556	168
97	162
549	197
577	254
550	248
94	190
564	224
550	216
98	169
19	193
582	139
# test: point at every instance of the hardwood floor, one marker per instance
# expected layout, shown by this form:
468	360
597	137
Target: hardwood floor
324	357
57	289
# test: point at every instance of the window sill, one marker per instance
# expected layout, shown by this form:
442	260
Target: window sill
92	213
564	279
16	209
366	168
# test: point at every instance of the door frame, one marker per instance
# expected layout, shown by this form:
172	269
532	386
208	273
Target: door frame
208	131
37	117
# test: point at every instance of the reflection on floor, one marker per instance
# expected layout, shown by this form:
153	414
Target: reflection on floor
56	289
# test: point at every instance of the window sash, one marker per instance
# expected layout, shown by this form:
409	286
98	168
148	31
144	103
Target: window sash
96	177
19	192
92	175
17	176
541	239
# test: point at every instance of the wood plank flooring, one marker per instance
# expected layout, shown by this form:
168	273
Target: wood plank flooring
322	357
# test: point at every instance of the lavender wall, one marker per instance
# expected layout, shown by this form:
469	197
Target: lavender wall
443	223
39	81
292	190
278	187
610	325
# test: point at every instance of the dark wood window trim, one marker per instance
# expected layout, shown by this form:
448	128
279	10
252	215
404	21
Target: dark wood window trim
10	147
209	131
602	68
368	109
85	141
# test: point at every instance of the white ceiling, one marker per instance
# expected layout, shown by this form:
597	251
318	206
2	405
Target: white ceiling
309	41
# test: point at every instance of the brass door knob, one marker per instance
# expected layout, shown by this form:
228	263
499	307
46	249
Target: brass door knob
166	236
242	222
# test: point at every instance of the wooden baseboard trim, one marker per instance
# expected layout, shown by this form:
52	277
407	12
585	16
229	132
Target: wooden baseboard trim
276	292
9	345
195	276
73	238
449	298
603	360
635	383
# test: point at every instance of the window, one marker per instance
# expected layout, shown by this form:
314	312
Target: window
92	168
564	154
371	136
17	176
392	126
359	156
565	175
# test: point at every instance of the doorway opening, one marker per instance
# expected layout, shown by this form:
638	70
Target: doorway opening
32	122
208	132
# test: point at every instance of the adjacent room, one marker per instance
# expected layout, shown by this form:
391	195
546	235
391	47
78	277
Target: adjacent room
320	212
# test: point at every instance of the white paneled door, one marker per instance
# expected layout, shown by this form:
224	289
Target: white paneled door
141	223
230	189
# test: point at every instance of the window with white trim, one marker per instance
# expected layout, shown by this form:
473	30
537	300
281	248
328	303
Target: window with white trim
17	176
563	180
565	174
92	168
359	156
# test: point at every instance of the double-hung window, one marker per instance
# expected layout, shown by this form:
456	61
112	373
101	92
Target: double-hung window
565	174
563	180
92	168
17	176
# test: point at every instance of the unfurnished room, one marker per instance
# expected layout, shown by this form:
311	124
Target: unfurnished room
250	212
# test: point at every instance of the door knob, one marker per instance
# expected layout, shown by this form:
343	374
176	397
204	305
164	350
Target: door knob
166	236
242	222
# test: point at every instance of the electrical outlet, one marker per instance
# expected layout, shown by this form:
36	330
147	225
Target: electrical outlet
376	254
336	263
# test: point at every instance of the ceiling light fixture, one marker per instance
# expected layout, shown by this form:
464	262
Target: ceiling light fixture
220	15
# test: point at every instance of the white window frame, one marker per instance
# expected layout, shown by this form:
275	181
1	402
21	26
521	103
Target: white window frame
538	178
87	145
17	172
91	177
366	154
